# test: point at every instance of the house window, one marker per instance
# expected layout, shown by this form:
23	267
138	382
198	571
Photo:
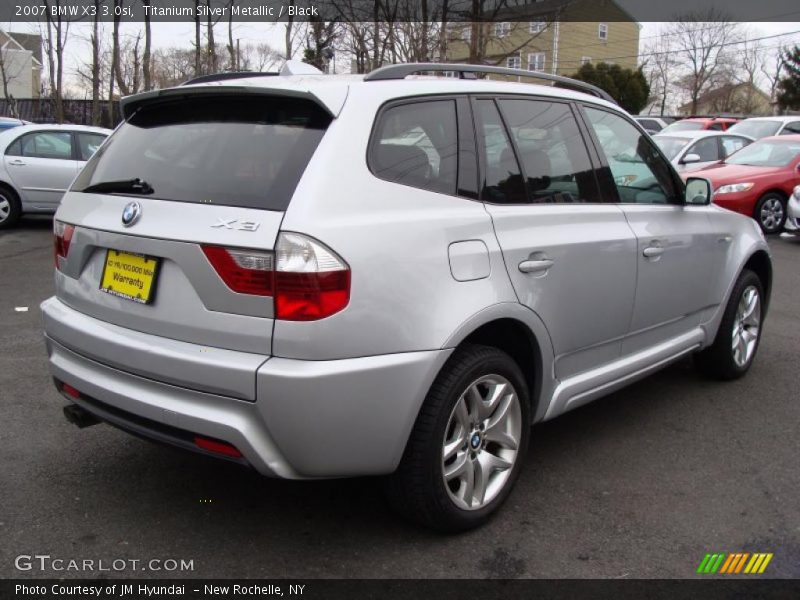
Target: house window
585	60
514	62
536	61
466	34
602	31
502	29
537	26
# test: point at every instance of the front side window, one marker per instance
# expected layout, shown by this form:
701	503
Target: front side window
555	163
502	179
706	149
640	173
43	144
416	144
245	151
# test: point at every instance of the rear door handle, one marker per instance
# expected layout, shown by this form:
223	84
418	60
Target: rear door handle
535	266
725	239
16	163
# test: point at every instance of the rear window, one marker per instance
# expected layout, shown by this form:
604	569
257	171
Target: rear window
248	152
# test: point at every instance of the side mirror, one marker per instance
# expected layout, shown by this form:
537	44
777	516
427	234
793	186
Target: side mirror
690	158
697	192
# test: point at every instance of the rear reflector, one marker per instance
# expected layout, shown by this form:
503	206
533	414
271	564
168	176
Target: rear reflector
62	236
70	391
217	447
308	280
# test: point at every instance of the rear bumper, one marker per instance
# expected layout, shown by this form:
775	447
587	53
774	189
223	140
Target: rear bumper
310	419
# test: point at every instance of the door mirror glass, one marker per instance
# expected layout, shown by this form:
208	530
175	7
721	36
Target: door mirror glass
691	158
698	191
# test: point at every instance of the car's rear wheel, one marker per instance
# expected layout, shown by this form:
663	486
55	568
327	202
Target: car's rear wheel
468	443
735	346
10	208
770	212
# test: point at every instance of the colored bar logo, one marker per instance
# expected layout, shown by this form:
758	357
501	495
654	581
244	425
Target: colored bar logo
735	563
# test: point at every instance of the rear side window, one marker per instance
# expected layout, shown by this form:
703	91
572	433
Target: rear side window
502	179
551	150
706	149
233	151
88	143
416	144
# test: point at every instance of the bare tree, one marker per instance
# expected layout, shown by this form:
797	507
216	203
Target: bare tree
57	33
320	39
96	77
9	72
700	40
147	69
197	44
233	51
772	70
211	46
660	68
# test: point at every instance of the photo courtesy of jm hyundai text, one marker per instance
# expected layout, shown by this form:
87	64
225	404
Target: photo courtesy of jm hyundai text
394	274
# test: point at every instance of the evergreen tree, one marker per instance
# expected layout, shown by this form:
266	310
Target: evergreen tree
628	87
789	86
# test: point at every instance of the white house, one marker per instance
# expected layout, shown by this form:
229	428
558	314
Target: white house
21	55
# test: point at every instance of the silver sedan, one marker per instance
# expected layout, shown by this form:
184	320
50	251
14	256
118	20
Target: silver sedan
693	150
39	163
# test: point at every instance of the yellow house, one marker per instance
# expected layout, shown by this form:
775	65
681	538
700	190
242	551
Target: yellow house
556	39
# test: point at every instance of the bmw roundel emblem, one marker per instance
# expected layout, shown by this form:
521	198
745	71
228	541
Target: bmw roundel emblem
131	213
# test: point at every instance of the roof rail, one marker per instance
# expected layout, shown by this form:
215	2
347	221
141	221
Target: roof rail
228	75
402	71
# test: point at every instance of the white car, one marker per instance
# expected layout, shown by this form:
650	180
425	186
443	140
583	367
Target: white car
39	162
693	150
759	127
792	224
652	125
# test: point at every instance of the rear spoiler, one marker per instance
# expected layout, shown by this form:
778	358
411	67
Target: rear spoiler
330	98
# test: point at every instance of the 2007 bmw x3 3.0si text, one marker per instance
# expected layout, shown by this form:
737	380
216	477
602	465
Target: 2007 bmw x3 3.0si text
332	276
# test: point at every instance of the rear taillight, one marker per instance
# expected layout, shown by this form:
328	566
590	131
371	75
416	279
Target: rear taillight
62	236
308	280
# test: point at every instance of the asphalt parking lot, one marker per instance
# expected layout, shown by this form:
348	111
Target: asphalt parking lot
642	483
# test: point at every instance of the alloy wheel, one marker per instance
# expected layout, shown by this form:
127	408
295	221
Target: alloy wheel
481	442
771	214
5	208
746	326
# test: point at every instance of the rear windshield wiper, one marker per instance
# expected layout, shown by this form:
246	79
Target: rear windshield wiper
130	186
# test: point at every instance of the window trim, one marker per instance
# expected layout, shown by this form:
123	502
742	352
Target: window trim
502	29
72	141
591	152
463	142
602	28
613	192
544	60
537	27
518	57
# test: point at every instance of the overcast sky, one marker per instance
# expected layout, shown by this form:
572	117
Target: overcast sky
181	34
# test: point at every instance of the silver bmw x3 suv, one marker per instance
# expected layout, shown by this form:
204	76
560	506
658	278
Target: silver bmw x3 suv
332	276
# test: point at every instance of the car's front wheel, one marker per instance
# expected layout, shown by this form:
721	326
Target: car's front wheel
735	346
468	443
770	212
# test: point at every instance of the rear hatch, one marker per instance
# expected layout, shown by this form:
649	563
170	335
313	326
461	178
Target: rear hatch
170	228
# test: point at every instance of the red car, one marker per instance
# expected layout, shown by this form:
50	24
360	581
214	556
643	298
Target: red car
700	124
758	179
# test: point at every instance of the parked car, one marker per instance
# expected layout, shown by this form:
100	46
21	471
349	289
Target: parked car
700	124
757	180
39	163
792	224
651	125
692	150
10	122
760	127
264	270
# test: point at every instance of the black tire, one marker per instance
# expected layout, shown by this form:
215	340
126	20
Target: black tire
718	360
765	212
9	198
417	489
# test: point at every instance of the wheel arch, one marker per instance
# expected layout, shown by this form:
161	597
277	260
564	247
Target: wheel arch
519	332
760	263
